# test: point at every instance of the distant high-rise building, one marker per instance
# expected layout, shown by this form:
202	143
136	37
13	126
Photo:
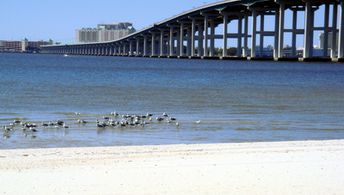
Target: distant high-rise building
104	32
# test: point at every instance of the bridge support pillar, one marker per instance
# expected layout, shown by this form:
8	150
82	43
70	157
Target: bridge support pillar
114	50
171	42
181	40
162	43
341	33
308	34
212	38
193	31
119	49
206	35
245	50
239	46
145	46
137	47
326	30
261	35
153	44
334	30
200	40
131	48
111	50
293	39
225	32
254	33
276	39
125	52
179	43
188	47
281	15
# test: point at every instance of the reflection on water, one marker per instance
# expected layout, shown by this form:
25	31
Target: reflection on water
236	101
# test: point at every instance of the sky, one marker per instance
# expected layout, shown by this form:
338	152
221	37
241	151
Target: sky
59	19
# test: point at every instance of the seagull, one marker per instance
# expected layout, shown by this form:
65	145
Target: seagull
114	113
60	123
149	115
17	121
198	122
33	129
159	119
82	121
101	125
8	128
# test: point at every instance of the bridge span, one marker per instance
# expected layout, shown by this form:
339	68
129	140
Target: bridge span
194	33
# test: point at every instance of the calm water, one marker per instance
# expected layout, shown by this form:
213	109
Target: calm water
236	101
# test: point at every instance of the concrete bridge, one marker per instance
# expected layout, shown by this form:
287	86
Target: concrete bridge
194	33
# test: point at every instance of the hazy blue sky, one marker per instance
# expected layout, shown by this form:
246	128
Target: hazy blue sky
58	19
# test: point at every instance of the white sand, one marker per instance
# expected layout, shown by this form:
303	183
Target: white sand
313	167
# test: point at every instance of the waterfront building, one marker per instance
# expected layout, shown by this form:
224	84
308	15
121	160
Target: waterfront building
104	32
23	46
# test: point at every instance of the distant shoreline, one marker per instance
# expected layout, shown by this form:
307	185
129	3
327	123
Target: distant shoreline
298	167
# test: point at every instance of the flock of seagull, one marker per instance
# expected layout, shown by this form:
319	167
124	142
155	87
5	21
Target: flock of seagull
111	120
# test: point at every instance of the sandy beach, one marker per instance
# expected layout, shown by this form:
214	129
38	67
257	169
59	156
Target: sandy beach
304	167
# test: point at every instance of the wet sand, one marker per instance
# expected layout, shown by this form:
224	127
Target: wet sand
303	167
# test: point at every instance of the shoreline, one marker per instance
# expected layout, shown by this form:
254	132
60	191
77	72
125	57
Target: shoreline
295	167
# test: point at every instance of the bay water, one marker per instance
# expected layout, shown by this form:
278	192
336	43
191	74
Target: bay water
232	101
